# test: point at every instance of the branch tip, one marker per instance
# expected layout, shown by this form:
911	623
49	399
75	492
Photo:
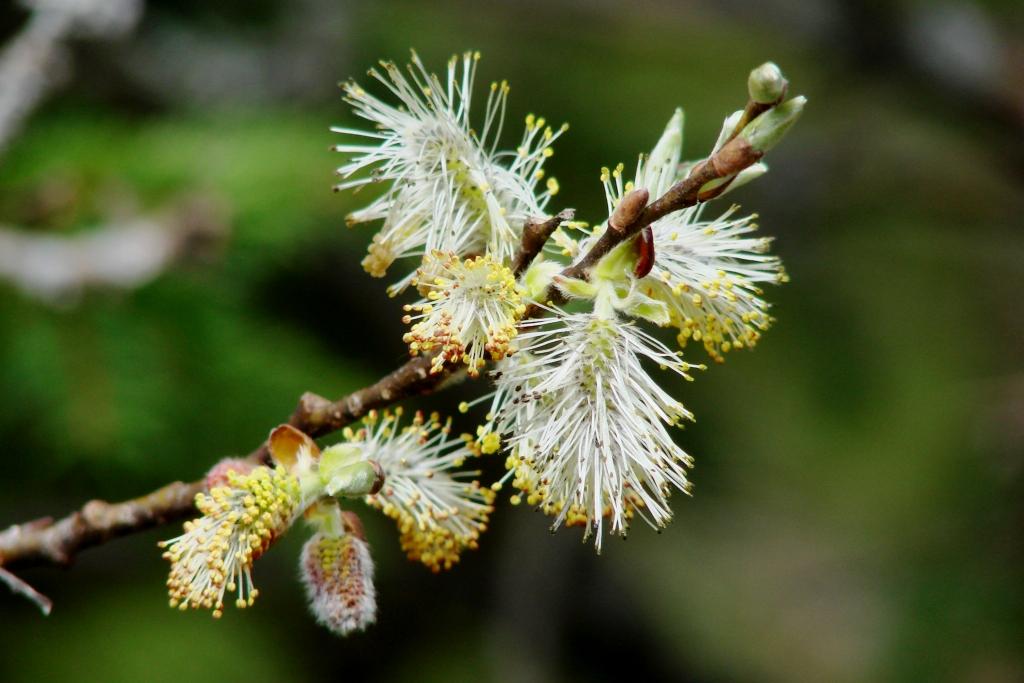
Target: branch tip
536	233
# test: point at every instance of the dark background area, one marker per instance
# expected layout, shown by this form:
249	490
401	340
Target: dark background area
857	513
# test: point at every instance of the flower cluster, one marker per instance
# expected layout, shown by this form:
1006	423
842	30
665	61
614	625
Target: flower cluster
449	188
707	272
584	425
469	313
241	519
588	426
247	507
440	511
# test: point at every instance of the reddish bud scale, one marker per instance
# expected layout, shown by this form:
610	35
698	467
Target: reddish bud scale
645	249
218	474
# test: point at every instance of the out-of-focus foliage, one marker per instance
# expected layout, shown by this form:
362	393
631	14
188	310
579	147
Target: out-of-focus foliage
112	383
857	511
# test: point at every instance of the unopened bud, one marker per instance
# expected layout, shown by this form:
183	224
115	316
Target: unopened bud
356	480
338	573
752	172
630	206
766	130
766	84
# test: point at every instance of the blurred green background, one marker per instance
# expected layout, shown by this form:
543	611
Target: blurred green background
858	512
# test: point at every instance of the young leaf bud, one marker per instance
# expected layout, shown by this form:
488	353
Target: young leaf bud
344	473
767	130
766	84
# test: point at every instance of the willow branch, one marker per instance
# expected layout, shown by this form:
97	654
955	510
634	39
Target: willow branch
317	415
730	159
57	542
46	541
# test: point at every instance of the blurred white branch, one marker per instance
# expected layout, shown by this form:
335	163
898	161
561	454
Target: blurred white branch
122	255
44	603
36	59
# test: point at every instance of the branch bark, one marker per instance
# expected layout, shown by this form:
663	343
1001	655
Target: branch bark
317	415
45	541
730	159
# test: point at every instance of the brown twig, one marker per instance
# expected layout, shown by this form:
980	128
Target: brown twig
730	159
317	415
536	234
46	541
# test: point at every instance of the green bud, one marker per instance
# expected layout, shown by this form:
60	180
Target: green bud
640	305
343	472
766	84
752	172
728	126
356	480
766	130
